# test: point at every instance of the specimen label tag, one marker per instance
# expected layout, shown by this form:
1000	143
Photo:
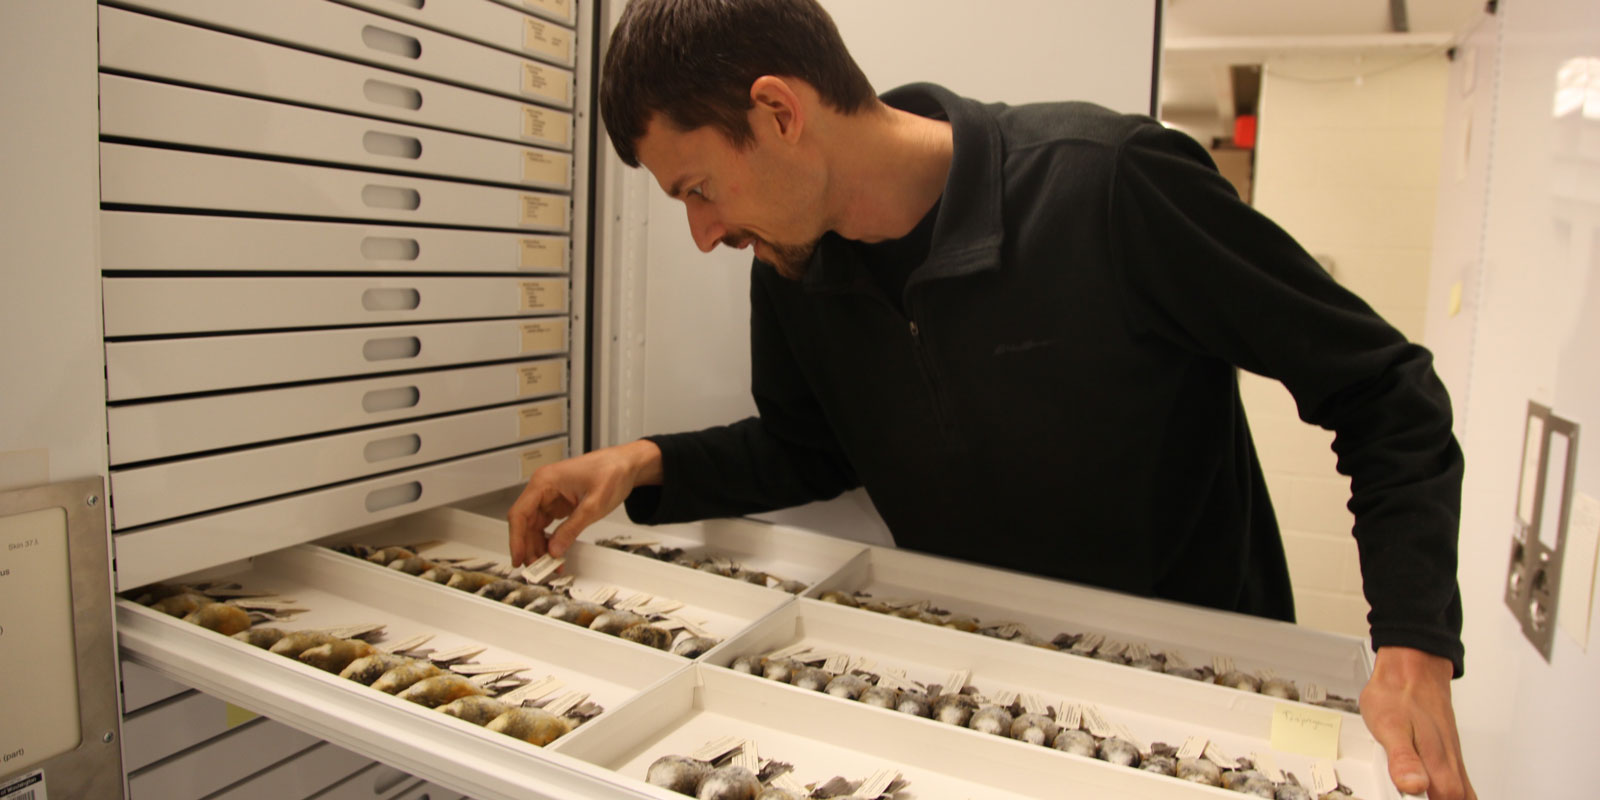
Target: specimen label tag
747	757
1071	715
1222	664
1096	723
787	782
1220	758
1088	643
1033	705
458	654
1323	778
1314	693
717	748
536	690
1176	659
1193	747
836	665
790	651
544	567
1004	699
1268	766
407	645
566	702
1308	731
957	681
877	783
485	669
634	540
1114	648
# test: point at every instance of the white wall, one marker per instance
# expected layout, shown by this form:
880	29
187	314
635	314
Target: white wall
686	325
1350	169
1527	195
52	373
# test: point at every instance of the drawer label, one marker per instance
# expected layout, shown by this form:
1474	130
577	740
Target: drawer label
541	378
546	39
25	787
562	8
549	294
540	419
543	252
549	169
544	211
542	455
544	125
548	83
549	336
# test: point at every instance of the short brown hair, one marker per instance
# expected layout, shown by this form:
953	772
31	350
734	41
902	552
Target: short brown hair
694	61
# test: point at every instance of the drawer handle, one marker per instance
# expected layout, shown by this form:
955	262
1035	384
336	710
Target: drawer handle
392	447
390	349
380	499
388	144
390	399
391	299
389	248
392	94
390	197
390	42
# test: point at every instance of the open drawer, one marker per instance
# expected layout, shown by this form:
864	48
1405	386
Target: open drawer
338	591
1048	608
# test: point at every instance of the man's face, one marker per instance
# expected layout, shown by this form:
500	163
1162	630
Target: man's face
761	196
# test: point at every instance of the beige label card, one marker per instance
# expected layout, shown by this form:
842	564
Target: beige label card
540	456
540	419
547	126
546	336
547	83
546	39
544	295
543	253
561	8
538	379
544	211
551	169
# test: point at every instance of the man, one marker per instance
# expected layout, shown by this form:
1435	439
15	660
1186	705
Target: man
1018	329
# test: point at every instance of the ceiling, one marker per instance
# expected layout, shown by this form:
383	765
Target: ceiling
1203	39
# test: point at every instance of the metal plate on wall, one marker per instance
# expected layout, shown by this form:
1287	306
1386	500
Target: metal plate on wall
56	647
1539	527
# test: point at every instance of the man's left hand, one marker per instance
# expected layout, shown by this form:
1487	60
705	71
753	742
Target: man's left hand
1406	705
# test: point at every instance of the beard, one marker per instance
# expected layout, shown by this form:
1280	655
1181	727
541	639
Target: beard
790	260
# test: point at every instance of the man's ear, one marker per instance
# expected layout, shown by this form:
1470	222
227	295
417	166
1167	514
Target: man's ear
777	106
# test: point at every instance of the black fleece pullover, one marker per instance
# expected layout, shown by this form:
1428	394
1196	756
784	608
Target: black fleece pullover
1055	390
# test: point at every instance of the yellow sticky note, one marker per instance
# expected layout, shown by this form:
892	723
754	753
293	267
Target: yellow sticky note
1455	298
1308	731
238	716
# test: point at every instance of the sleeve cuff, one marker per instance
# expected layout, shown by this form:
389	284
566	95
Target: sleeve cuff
1432	642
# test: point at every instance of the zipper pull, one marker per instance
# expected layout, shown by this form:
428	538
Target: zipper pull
913	329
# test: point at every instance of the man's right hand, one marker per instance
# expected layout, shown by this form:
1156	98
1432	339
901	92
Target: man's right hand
581	490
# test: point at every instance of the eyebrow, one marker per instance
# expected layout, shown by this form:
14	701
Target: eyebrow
677	188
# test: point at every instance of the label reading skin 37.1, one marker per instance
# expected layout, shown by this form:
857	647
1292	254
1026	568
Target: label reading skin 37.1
545	169
543	252
545	336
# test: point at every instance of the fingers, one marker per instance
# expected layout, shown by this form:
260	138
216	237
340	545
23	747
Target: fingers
567	532
1446	778
1395	734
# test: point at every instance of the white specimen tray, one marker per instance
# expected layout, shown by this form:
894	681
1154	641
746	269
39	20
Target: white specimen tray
719	606
780	551
1154	707
339	590
1341	664
823	737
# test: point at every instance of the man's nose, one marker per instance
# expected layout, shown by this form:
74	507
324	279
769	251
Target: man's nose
704	227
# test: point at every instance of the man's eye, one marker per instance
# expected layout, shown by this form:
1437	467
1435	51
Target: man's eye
698	190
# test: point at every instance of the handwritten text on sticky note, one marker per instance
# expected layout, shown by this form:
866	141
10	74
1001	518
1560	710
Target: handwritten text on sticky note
1307	731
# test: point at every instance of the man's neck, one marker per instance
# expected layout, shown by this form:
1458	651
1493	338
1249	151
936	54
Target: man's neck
887	169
